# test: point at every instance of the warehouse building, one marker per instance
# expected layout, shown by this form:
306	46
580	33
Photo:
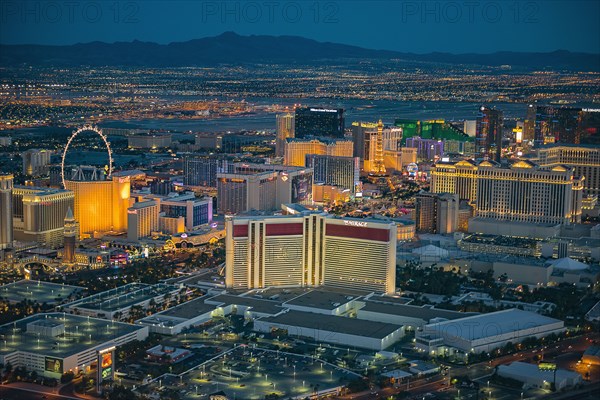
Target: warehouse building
333	329
533	376
485	332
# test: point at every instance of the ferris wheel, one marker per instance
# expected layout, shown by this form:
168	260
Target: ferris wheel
85	128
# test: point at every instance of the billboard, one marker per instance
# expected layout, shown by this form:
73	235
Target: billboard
106	365
301	188
53	365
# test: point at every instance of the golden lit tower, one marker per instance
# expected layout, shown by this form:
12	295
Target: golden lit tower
70	234
6	225
378	164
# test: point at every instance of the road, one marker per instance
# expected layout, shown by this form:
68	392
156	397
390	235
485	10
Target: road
474	371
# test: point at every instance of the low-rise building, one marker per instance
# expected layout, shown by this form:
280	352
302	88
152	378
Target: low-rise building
485	332
333	329
533	377
55	343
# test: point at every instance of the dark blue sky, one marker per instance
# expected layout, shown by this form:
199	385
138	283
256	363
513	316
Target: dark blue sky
404	25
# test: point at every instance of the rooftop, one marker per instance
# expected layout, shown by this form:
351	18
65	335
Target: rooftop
189	309
257	305
493	324
42	292
351	326
422	312
122	297
321	299
81	333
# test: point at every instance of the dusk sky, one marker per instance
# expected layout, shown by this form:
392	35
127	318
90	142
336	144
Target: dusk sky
411	26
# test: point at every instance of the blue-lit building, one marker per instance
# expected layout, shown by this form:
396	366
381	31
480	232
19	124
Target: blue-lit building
195	211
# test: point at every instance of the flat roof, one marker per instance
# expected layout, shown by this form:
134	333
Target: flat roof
122	297
40	291
321	299
258	305
405	310
188	310
81	333
331	323
493	324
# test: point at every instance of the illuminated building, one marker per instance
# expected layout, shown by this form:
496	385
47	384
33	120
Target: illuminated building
321	122
525	192
557	125
470	127
142	219
529	124
202	170
262	187
326	194
209	140
39	214
194	212
36	162
310	250
336	171
149	141
297	149
40	342
427	149
378	146
285	130
100	205
6	217
391	138
455	177
377	165
71	231
436	212
488	133
361	132
584	158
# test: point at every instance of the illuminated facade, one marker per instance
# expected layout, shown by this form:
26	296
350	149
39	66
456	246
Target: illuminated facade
361	132
336	171
584	158
296	150
285	130
6	223
36	162
39	214
525	192
142	219
310	250
436	212
262	187
100	206
488	133
315	121
377	165
71	232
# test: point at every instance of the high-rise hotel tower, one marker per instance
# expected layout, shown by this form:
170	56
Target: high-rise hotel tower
523	192
310	250
6	226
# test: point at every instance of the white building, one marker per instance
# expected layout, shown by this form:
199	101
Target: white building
56	343
333	329
533	377
486	332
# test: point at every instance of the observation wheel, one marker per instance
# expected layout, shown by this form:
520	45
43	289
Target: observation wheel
86	128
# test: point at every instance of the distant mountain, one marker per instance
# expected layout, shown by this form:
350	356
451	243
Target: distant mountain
231	48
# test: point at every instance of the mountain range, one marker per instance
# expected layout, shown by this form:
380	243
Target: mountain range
231	48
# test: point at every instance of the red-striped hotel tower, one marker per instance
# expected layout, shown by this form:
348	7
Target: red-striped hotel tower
310	250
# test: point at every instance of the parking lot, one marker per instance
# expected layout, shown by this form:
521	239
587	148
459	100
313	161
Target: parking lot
253	373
